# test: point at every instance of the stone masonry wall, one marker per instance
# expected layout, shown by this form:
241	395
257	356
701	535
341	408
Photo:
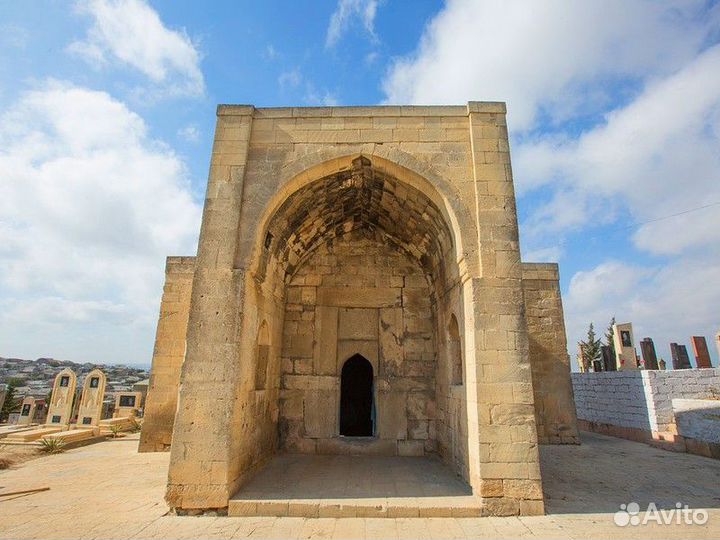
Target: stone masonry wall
168	355
459	158
358	295
549	362
639	399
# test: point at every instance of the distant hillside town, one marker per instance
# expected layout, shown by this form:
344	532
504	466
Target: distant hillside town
34	378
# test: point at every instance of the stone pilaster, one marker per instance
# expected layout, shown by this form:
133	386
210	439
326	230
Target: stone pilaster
168	356
507	472
200	462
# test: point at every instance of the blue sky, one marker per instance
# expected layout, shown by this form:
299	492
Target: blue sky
107	111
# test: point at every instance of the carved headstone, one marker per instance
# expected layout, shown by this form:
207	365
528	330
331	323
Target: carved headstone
61	400
647	348
27	411
680	357
625	357
608	358
127	404
91	401
702	355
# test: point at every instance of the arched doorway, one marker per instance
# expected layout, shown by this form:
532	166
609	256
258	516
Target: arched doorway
356	398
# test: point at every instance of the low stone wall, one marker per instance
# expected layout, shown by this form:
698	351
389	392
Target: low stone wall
638	405
698	418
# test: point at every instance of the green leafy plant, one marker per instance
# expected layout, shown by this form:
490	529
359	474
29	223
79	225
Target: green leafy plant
52	446
115	430
135	425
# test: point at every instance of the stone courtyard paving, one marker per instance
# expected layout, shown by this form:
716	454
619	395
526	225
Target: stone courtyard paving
108	490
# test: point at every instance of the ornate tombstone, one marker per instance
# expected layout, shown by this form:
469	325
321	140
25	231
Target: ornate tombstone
61	400
27	411
127	404
91	401
625	356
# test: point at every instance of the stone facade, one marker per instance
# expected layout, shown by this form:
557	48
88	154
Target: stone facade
549	360
383	235
168	355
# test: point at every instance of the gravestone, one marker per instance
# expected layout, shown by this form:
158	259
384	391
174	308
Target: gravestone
127	404
27	411
61	400
608	358
647	347
680	358
662	365
702	355
625	357
91	401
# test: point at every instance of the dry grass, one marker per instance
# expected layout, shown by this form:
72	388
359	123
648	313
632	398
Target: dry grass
13	456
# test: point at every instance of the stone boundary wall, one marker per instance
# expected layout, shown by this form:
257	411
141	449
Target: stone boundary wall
698	419
638	405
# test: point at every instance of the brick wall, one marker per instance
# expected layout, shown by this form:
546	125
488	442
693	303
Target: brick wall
639	399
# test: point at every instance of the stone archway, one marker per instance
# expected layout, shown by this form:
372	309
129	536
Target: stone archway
294	198
356	398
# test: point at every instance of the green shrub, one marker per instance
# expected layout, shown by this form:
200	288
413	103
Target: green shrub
52	446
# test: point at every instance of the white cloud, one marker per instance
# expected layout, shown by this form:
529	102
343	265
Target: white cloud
345	13
649	71
290	79
131	32
659	155
271	53
545	254
545	55
667	303
88	212
189	133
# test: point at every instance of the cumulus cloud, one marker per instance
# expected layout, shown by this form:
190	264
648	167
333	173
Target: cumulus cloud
614	114
666	302
345	13
547	56
88	212
290	79
659	154
131	32
189	133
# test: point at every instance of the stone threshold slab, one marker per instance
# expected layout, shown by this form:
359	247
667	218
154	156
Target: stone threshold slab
392	507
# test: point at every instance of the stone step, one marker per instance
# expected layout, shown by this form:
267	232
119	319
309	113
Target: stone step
392	507
32	435
74	435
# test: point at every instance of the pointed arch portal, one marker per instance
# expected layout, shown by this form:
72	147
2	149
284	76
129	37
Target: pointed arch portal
356	398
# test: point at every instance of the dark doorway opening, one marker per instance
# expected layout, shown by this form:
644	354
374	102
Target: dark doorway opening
356	398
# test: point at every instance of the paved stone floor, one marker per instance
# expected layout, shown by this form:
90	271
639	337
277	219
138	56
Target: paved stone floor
108	490
350	486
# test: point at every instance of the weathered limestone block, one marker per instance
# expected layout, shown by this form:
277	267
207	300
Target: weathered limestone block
552	387
320	413
325	352
392	419
168	356
355	297
391	340
358	323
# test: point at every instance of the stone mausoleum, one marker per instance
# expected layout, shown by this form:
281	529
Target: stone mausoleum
358	290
